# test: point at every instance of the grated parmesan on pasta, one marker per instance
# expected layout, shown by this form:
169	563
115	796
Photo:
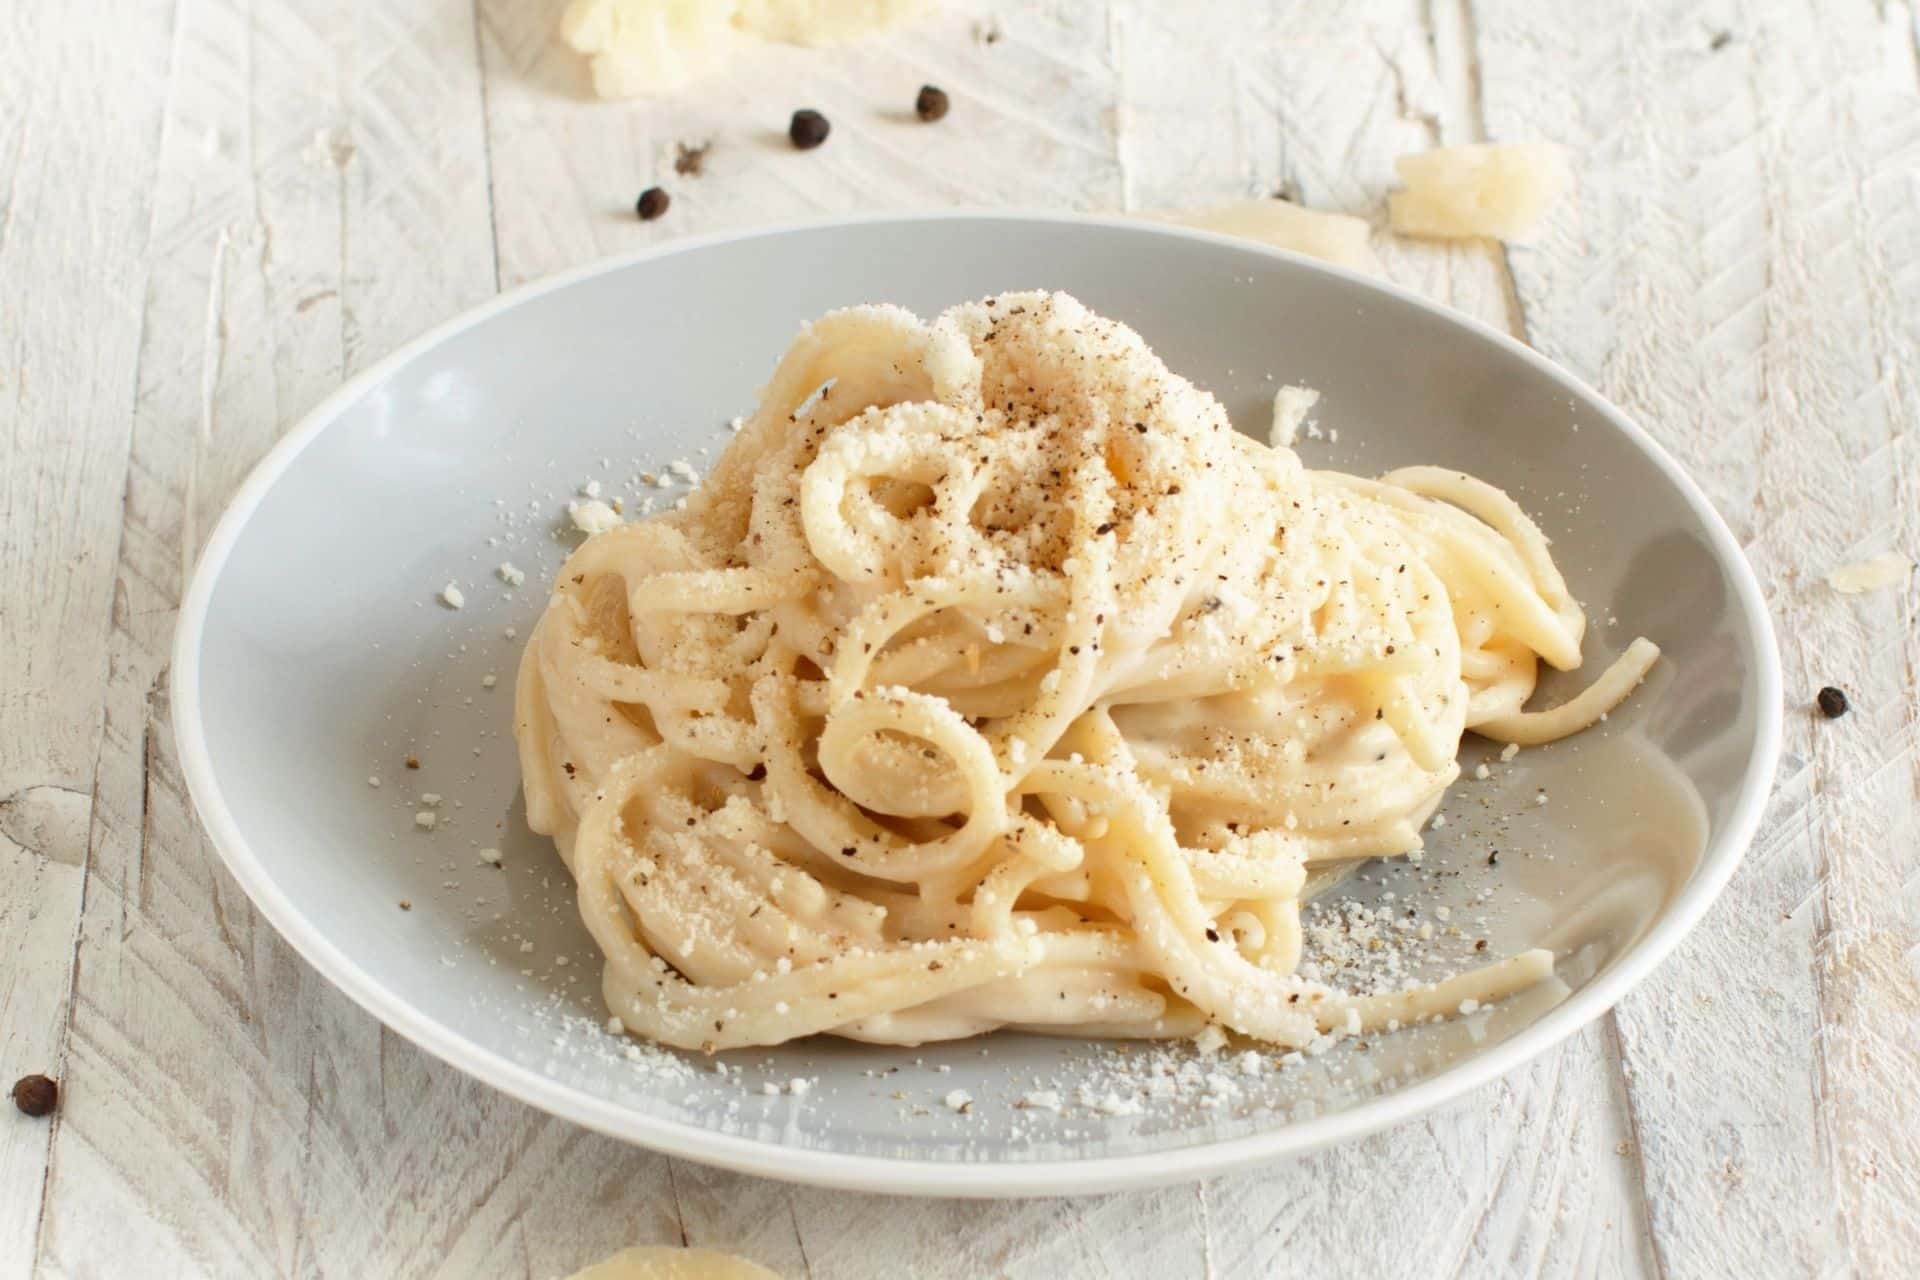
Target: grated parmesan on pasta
1005	684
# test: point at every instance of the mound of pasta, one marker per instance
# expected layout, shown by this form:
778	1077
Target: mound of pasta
993	680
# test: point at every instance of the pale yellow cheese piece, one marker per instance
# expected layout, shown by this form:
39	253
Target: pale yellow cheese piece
823	22
1291	405
1338	238
649	46
654	46
1498	190
663	1262
1874	574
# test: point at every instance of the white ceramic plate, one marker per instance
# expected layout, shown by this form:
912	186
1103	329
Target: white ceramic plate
313	653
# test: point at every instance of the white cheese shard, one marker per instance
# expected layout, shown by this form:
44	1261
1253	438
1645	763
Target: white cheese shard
453	596
1291	405
657	46
649	46
1498	190
1874	574
1339	238
815	23
593	517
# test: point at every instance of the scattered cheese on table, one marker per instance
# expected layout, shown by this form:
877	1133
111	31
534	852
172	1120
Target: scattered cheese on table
1339	238
1874	574
1497	190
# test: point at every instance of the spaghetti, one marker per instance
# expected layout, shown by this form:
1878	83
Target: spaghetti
995	680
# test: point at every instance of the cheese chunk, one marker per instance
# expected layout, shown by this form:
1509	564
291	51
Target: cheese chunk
1874	574
1338	238
656	46
1498	190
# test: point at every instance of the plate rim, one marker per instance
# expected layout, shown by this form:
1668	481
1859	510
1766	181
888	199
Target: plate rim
919	1176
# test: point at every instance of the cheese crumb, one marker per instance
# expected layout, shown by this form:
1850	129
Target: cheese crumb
490	856
488	681
425	819
1509	751
1210	1040
593	517
1291	405
958	1100
453	596
510	575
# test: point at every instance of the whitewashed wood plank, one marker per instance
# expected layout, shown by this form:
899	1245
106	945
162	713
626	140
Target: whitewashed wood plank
1738	271
322	197
73	225
42	851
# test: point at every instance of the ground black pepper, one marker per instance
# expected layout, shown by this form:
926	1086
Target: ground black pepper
808	129
932	103
1833	703
36	1095
652	203
690	162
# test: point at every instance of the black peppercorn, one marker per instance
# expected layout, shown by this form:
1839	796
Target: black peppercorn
1833	703
36	1095
809	129
932	103
652	203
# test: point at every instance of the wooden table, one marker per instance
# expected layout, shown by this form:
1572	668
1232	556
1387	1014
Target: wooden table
213	211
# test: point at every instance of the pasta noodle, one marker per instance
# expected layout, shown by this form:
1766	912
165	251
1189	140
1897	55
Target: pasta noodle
994	680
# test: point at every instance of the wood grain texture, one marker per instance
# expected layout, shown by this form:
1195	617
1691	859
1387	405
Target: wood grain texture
73	231
284	190
1752	184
